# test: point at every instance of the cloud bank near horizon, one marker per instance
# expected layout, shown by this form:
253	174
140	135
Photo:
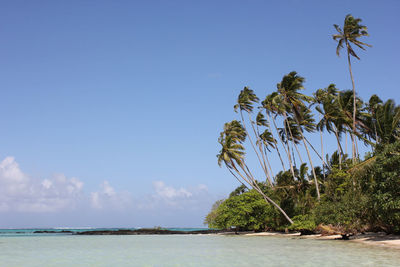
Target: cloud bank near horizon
30	197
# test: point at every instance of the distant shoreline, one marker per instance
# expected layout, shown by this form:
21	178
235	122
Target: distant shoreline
376	239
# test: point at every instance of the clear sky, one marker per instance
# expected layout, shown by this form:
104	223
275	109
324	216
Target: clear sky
112	109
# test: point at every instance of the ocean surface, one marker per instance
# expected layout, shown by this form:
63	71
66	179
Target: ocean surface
21	247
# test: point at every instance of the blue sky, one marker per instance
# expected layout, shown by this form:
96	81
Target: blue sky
111	109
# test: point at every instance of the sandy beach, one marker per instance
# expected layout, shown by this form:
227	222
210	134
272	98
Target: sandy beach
374	239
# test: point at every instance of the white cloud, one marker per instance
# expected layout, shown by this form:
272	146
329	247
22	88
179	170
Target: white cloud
108	198
57	196
19	192
167	197
168	192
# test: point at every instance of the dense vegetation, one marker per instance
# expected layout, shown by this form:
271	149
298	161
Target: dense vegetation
344	194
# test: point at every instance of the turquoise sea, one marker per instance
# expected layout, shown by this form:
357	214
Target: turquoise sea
28	249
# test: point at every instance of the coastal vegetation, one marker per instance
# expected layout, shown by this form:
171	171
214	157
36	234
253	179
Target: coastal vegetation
343	194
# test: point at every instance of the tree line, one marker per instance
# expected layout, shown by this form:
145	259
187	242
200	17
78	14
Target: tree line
303	194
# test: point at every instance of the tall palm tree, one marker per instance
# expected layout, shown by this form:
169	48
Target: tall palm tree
293	102
352	30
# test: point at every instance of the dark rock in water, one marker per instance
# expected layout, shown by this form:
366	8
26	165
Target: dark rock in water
52	232
147	232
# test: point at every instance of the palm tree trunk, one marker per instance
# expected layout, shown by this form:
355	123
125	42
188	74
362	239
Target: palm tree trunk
294	143
267	199
276	144
289	157
298	153
354	106
284	148
263	154
269	165
237	178
316	152
253	183
340	150
255	150
309	159
322	150
356	142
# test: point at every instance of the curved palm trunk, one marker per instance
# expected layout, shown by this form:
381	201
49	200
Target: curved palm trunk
253	183
316	152
267	199
237	178
354	107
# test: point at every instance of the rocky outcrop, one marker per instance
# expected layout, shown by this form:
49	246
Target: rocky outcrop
146	232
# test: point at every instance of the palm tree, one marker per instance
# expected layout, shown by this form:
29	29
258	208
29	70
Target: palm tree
345	103
370	118
273	104
352	30
328	115
232	155
293	101
272	109
388	122
265	139
293	136
246	99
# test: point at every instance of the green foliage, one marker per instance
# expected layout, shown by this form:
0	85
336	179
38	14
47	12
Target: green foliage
349	213
345	194
303	223
384	188
247	211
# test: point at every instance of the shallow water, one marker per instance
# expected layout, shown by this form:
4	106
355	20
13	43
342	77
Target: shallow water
188	250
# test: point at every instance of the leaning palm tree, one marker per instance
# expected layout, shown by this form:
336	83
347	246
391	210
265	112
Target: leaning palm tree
271	110
232	155
264	139
246	99
352	30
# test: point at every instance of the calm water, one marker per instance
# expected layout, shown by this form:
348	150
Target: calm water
187	250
